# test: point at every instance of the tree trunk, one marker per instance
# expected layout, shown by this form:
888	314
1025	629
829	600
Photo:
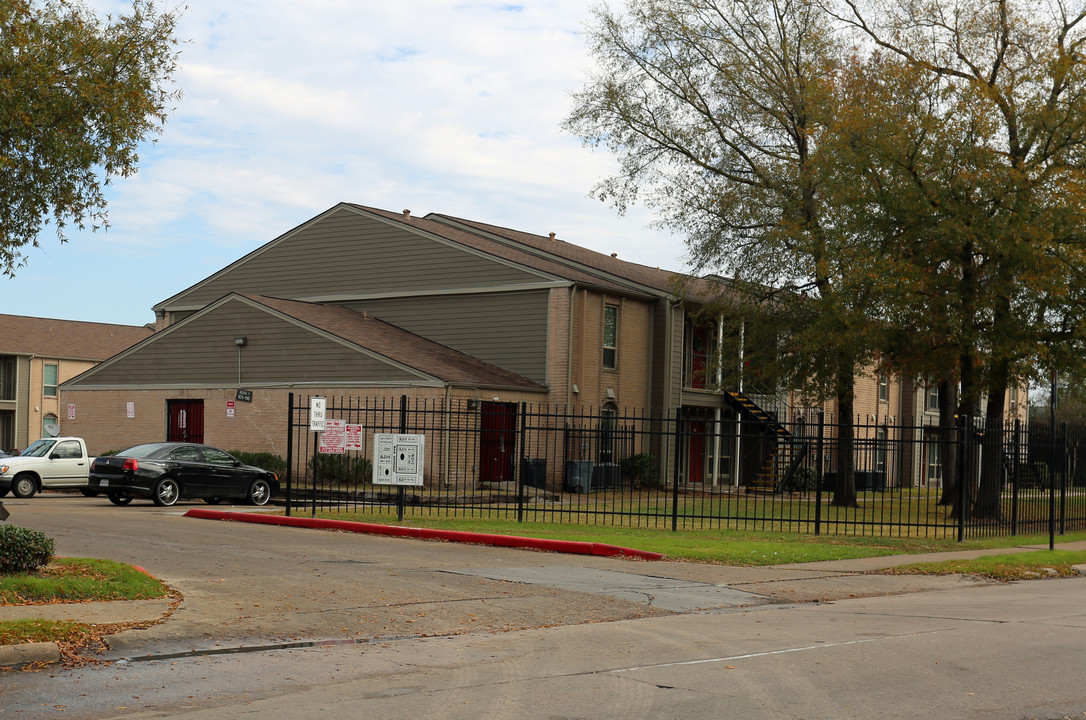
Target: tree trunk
948	438
987	503
968	409
844	494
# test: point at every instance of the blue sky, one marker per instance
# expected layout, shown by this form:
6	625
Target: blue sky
289	108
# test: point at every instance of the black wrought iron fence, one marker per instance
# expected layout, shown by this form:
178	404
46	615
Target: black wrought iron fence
689	470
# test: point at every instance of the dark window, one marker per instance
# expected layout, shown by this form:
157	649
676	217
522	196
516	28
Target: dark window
218	457
185	454
67	450
7	378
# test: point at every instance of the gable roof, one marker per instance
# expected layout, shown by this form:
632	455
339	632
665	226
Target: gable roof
564	259
571	255
67	339
396	344
540	260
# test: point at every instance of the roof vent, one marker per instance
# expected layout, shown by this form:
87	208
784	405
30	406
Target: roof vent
614	255
552	236
407	214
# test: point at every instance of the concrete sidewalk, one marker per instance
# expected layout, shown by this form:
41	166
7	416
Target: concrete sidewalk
672	587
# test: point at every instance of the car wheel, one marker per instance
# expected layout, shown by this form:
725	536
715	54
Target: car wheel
259	492
213	501
118	499
166	492
87	492
23	486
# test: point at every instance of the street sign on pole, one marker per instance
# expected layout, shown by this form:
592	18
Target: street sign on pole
316	414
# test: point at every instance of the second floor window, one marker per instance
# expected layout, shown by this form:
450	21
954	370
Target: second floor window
7	378
884	387
49	380
610	337
932	398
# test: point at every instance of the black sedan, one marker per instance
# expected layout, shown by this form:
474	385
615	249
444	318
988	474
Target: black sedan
169	471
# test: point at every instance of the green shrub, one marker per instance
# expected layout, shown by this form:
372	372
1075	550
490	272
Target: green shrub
23	550
345	469
263	460
804	479
641	470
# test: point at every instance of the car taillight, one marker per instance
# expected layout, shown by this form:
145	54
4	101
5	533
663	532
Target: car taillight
130	464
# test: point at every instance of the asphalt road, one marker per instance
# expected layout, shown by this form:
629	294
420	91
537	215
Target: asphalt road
281	622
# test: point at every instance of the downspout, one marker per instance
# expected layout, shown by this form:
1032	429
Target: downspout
569	347
445	435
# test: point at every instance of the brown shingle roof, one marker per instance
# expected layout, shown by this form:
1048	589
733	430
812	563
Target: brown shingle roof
397	344
552	266
665	281
66	339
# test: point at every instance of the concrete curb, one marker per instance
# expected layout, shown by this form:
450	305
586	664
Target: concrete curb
559	546
28	653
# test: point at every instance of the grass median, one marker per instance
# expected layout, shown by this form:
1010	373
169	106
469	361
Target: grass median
71	580
722	547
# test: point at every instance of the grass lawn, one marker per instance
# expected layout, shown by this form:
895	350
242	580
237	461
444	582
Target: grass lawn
725	547
71	580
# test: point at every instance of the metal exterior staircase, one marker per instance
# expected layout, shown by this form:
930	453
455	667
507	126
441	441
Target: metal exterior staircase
786	454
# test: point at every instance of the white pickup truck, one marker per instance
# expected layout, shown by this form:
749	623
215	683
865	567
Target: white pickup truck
49	463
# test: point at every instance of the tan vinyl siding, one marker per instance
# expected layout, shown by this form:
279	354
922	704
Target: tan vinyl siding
276	351
345	254
505	329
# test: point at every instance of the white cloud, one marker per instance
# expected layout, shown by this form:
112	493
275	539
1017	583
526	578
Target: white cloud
289	108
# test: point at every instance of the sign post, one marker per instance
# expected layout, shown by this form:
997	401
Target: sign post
398	460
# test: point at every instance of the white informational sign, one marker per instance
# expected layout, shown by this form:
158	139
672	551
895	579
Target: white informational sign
229	408
316	413
398	459
131	409
333	438
71	411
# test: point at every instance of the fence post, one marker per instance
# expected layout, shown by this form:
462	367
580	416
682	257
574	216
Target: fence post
964	426
677	468
403	431
1016	460
1063	479
290	446
819	471
1052	466
316	468
519	470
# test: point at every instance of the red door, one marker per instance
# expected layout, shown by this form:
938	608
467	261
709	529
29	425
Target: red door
185	421
497	446
695	459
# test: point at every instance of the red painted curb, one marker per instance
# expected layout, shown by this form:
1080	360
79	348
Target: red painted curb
562	546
